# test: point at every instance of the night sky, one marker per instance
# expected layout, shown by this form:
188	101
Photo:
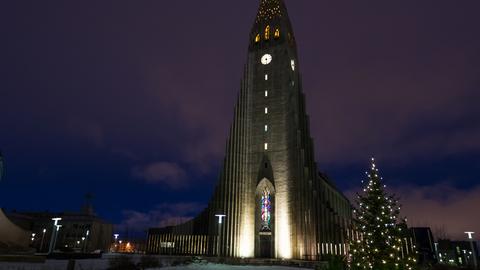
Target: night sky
132	101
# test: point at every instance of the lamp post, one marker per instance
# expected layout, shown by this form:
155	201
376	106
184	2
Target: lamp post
43	238
53	238
116	239
33	240
87	236
85	239
220	221
474	252
56	236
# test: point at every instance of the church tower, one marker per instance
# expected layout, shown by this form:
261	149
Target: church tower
275	201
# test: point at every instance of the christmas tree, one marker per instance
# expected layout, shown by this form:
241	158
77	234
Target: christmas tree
379	245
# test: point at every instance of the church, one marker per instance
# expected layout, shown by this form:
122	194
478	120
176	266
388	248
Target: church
270	201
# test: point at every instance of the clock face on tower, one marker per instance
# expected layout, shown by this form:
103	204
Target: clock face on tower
266	59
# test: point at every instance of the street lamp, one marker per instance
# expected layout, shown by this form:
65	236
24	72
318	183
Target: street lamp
474	253
220	218
116	239
86	239
220	221
43	238
56	236
55	229
83	243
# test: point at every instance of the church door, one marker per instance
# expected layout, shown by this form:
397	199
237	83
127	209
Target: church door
265	246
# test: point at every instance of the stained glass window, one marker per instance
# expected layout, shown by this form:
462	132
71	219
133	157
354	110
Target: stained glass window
266	210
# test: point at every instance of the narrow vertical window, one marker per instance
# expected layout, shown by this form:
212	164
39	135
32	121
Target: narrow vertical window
265	146
267	32
266	208
266	128
266	77
266	93
266	110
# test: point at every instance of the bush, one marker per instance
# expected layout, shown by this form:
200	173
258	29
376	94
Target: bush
149	262
121	263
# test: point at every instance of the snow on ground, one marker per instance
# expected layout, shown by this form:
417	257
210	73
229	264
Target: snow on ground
49	265
102	265
211	266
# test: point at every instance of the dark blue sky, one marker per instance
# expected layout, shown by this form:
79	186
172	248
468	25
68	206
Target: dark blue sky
132	101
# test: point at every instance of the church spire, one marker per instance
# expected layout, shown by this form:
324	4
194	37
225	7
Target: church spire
270	10
272	24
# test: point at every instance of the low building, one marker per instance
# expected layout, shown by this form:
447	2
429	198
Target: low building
128	246
78	232
457	253
425	245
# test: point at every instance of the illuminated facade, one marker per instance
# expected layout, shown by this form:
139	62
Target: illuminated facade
277	204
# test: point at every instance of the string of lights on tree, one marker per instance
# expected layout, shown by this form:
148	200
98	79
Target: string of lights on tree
380	244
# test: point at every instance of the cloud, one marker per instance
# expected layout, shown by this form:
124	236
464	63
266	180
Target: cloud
396	120
167	173
447	210
161	216
443	208
362	99
201	124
